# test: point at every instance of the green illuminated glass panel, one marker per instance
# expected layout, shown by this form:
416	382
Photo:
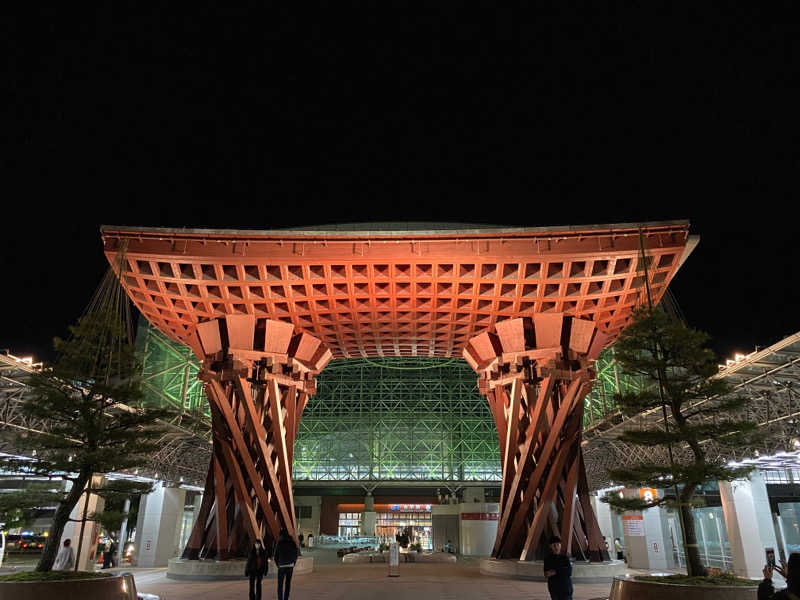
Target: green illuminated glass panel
397	419
374	419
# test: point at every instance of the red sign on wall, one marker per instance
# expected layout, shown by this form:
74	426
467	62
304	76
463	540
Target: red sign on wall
479	516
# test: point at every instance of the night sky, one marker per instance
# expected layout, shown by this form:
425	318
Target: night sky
267	120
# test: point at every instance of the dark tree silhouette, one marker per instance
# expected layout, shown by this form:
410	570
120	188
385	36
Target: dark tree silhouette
91	398
679	373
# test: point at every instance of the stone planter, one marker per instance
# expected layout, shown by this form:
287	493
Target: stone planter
120	587
212	570
627	588
582	572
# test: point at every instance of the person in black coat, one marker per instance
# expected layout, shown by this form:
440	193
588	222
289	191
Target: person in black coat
790	572
558	570
256	568
285	554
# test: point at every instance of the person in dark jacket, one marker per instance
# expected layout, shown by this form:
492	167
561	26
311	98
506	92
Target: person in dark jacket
256	568
790	572
108	550
285	555
558	570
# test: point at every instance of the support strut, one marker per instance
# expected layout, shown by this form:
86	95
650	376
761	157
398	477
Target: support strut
258	376
535	372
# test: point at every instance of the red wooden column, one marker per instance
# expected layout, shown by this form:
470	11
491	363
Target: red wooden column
535	372
258	375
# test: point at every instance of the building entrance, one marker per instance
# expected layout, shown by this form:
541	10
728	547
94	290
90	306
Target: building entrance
415	519
350	524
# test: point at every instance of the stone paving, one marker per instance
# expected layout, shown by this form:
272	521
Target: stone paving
367	581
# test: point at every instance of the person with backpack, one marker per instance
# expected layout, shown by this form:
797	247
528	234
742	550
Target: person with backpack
256	568
285	555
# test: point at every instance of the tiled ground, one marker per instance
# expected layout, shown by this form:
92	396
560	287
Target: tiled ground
357	582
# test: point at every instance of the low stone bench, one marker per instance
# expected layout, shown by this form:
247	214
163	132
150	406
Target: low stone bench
210	570
582	572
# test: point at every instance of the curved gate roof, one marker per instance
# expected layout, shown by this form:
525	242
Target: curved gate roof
401	290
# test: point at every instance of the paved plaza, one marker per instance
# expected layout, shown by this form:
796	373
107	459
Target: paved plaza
461	581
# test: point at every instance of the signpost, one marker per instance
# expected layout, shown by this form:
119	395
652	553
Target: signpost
394	560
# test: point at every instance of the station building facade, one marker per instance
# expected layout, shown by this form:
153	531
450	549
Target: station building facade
408	443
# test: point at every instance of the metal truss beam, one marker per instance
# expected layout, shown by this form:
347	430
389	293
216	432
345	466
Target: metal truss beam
769	378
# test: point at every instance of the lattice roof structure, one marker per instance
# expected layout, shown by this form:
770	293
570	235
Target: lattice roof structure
399	292
14	373
770	378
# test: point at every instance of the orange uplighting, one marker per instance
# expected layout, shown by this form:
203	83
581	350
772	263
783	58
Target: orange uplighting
394	293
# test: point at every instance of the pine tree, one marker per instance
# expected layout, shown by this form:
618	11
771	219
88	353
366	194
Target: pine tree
678	371
91	399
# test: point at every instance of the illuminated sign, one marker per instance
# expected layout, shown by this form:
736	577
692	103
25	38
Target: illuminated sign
648	494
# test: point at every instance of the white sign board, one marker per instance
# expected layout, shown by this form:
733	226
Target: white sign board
394	559
633	525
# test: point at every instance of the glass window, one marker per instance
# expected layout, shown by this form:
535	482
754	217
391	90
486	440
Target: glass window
350	524
712	538
789	526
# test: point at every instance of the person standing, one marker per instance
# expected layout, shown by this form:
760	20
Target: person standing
790	572
66	557
256	568
558	570
618	549
106	555
310	541
300	539
285	555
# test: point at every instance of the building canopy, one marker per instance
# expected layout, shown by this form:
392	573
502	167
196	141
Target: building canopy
367	292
